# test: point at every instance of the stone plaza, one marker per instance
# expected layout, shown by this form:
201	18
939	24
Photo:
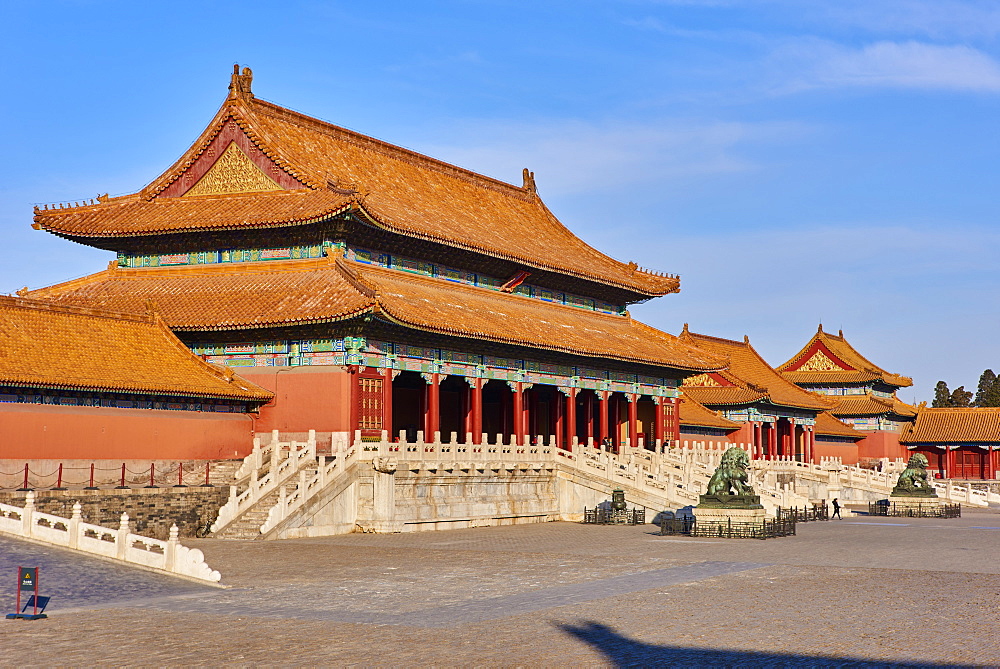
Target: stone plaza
862	591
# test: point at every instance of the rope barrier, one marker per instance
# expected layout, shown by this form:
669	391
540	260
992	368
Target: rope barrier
61	479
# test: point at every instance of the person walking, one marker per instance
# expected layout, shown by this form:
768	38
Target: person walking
836	510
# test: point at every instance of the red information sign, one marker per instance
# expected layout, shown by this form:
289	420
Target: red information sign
27	580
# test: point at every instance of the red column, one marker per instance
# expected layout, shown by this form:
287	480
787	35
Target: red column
675	403
518	412
603	418
951	464
531	413
588	406
560	419
355	416
633	420
477	411
432	413
570	418
616	420
387	375
658	420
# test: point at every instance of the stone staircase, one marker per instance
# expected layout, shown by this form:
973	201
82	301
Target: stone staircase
263	479
247	525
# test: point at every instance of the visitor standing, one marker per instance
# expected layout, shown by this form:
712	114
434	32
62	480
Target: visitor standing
836	509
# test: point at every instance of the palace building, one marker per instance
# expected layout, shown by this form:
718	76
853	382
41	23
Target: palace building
371	288
76	382
865	394
777	417
960	443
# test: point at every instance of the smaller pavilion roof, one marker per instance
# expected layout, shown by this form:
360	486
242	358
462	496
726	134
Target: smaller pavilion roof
748	378
827	424
953	425
869	405
830	359
58	346
697	415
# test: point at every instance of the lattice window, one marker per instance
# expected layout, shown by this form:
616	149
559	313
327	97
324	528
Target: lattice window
669	421
370	403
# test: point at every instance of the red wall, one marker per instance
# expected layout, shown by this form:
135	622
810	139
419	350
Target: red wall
305	398
881	444
848	453
35	431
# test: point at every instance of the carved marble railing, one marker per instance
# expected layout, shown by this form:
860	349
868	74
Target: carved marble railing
965	493
286	461
170	556
308	487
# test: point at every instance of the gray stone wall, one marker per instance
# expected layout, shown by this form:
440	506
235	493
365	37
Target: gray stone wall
151	510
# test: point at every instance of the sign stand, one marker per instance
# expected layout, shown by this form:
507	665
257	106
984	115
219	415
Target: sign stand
27	580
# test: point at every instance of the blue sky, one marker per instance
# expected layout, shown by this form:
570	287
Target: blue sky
794	161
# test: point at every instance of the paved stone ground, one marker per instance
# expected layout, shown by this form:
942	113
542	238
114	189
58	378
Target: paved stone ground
859	592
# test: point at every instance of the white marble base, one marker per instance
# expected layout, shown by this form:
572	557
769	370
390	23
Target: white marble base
734	515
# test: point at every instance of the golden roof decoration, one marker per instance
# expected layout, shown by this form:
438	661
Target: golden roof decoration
754	380
233	172
820	362
702	380
848	365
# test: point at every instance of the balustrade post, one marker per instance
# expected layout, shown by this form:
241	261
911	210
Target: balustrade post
121	540
73	529
28	515
170	552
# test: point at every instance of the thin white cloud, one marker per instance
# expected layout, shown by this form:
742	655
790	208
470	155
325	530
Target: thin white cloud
910	65
572	157
938	19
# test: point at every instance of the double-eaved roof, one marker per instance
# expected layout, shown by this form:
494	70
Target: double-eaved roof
747	380
259	165
831	361
267	295
71	348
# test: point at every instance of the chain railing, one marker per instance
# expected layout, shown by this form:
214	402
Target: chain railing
94	477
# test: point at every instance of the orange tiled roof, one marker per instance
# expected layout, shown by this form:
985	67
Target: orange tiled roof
394	188
693	413
254	295
827	423
755	379
45	345
134	215
229	296
861	369
869	405
954	425
467	311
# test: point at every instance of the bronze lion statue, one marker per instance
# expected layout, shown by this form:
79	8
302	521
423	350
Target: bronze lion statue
914	477
731	476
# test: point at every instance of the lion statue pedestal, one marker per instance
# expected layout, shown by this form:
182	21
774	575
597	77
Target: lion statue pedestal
729	497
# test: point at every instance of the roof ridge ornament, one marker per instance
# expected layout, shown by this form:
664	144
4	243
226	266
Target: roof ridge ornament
240	84
529	181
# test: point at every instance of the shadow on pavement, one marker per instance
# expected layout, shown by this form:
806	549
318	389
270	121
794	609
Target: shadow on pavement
624	652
